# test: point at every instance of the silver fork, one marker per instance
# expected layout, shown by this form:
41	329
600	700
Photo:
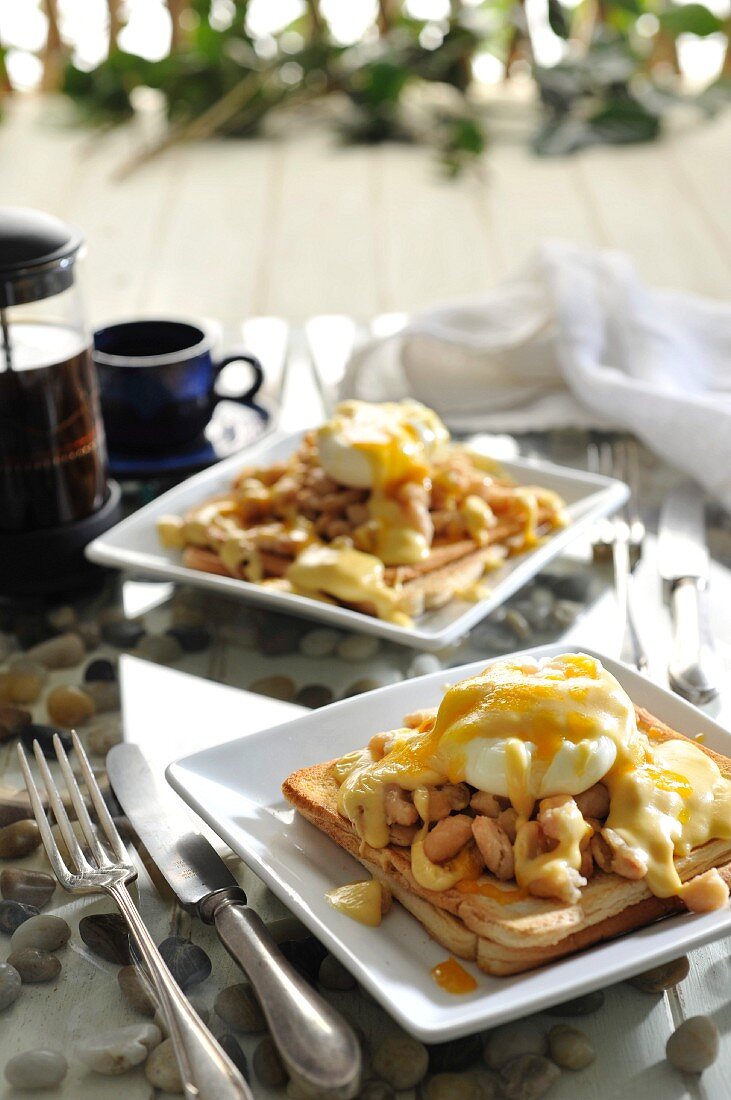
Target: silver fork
620	537
207	1072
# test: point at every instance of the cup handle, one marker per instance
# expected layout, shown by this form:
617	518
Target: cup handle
258	376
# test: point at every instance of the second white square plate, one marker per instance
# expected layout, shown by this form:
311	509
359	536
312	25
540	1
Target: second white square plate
236	789
133	544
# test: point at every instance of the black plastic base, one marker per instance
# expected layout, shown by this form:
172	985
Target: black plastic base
52	559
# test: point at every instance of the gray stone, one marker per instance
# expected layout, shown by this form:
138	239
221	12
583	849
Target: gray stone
570	1048
161	1069
44	931
358	647
314	696
19	839
12	720
10	983
510	1040
63	651
580	1006
63	617
13	914
401	1061
662	977
238	1007
528	1077
693	1046
104	694
333	975
119	1050
188	963
134	990
276	687
107	935
267	1064
35	965
102	733
36	1069
319	643
27	886
161	648
231	1046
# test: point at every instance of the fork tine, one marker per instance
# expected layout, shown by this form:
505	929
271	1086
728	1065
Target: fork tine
82	813
49	841
59	812
102	811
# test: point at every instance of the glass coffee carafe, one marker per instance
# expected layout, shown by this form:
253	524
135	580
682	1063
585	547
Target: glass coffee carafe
52	449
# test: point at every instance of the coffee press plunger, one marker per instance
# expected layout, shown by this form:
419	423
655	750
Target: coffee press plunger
54	496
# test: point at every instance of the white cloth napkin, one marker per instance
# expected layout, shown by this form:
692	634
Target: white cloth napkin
575	339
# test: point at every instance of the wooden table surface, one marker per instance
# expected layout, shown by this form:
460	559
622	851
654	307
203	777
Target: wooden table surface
300	227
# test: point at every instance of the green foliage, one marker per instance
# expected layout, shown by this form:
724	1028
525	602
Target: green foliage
604	91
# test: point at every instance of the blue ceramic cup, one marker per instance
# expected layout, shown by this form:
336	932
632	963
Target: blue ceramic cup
157	380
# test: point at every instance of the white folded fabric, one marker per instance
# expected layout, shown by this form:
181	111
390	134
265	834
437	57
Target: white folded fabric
577	340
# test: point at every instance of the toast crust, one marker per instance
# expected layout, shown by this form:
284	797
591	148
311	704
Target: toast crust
523	934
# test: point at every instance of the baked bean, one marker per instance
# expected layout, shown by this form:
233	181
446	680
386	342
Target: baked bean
594	802
400	810
484	803
447	838
494	847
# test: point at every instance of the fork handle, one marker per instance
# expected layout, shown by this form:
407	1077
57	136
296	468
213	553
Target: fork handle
207	1072
694	670
318	1047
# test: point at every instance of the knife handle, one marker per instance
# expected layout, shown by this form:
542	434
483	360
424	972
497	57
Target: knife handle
318	1047
694	668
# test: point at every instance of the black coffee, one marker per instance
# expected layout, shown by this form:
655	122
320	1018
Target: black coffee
52	449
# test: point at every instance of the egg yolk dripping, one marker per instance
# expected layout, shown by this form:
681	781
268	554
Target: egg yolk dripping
388	449
528	730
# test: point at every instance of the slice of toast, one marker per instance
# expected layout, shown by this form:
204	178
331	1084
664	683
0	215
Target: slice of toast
525	933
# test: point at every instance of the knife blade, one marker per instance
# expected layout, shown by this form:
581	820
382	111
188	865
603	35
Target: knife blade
693	670
319	1049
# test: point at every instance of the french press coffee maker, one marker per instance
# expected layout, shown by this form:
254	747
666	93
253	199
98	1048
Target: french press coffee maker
54	496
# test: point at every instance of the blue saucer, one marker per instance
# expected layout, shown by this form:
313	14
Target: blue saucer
231	428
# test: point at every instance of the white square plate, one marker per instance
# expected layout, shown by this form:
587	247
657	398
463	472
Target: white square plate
235	788
133	544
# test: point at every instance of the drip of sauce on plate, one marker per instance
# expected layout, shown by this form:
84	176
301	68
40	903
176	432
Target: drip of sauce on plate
453	978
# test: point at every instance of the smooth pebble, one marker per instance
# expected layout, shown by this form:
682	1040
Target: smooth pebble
528	1077
44	735
693	1046
358	647
104	694
319	643
238	1007
510	1040
36	1069
276	687
423	664
15	913
376	1090
45	931
570	1048
161	1069
333	975
452	1086
26	680
63	617
35	965
370	683
102	733
662	977
100	671
27	886
518	624
267	1064
314	696
63	651
161	648
19	839
10	983
90	634
134	990
12	720
107	935
188	963
401	1061
69	706
119	1050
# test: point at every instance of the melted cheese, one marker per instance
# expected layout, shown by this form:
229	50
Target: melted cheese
361	901
348	575
674	802
384	448
528	730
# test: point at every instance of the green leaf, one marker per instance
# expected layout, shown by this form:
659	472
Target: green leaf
690	19
624	123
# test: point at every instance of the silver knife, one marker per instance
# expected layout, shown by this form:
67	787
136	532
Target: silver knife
319	1049
694	670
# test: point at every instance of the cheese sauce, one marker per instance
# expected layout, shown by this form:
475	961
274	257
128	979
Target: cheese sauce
361	901
528	731
348	575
